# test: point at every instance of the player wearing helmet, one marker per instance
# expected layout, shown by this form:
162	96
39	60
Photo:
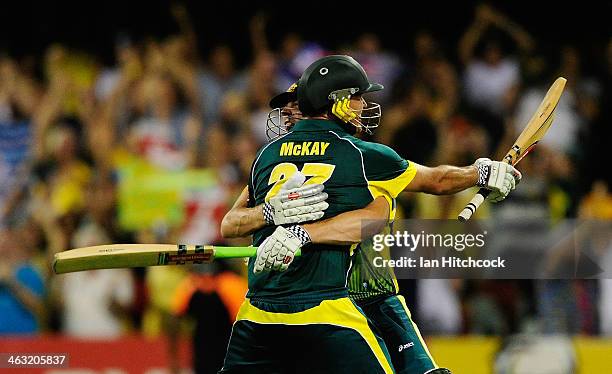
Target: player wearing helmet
355	174
385	308
284	114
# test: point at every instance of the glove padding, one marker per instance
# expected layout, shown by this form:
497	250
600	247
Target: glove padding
497	176
278	250
295	203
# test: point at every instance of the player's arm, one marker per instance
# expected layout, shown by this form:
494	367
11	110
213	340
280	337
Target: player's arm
499	177
443	179
278	250
389	174
241	220
346	228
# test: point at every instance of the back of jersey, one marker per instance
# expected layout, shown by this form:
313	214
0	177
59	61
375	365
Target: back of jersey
319	150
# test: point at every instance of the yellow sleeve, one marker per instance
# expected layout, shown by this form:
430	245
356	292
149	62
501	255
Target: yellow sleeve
390	188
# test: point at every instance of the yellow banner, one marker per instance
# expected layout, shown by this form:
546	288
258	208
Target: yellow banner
149	196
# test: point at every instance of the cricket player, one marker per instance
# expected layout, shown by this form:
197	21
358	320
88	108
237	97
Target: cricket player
361	180
373	289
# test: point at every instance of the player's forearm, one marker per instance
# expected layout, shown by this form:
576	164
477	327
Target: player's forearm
453	179
346	228
341	232
443	179
240	222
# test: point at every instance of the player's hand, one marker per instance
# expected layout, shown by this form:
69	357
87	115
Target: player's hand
278	250
295	203
497	176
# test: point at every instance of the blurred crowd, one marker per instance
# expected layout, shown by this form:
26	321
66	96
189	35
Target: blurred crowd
75	133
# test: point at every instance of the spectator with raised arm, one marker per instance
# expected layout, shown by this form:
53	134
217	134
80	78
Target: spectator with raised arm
491	78
168	128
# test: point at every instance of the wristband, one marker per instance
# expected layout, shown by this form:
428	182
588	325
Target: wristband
483	174
300	233
268	213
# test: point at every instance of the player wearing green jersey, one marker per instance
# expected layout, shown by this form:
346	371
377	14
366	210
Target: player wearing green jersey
360	177
373	289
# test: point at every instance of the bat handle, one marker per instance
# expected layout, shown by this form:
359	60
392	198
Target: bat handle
238	252
471	207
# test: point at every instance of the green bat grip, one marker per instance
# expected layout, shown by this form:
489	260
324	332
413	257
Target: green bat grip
239	252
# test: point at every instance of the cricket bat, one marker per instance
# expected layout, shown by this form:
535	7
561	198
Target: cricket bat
531	135
140	255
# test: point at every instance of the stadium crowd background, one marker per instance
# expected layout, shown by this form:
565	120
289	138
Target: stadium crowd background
153	145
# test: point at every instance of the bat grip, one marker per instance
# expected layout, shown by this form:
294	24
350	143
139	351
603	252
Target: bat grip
239	252
234	252
471	207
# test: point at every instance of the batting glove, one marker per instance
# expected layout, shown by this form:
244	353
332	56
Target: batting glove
497	176
295	203
278	250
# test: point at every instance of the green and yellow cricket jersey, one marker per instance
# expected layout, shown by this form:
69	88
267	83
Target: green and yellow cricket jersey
354	173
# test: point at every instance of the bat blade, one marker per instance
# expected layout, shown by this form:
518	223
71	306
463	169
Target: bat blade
538	125
533	132
141	255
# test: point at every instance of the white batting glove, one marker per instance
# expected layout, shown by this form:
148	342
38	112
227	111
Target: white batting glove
295	203
497	176
278	250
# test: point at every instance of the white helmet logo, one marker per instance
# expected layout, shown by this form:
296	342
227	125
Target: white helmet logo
323	71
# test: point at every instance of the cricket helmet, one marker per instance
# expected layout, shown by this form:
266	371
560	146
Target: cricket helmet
284	113
284	98
330	82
